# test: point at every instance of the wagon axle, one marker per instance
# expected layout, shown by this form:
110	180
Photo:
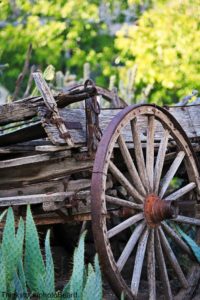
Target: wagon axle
157	210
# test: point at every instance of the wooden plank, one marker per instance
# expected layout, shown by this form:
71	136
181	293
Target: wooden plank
50	186
35	199
46	187
8	163
42	171
106	115
54	218
26	108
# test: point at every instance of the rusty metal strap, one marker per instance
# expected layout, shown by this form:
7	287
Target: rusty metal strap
52	107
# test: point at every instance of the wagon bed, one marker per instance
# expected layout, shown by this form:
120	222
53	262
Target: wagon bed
129	168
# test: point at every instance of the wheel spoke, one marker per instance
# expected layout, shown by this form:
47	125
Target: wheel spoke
179	193
139	153
172	259
130	165
139	259
151	263
187	220
130	245
122	202
171	172
163	269
150	150
177	239
122	179
122	226
160	160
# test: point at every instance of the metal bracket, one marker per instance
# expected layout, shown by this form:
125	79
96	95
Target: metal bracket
92	111
52	108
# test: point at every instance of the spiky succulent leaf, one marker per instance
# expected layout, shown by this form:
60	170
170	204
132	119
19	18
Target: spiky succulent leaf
3	214
19	288
89	292
76	280
9	252
33	261
191	243
20	239
41	287
22	276
3	286
66	291
98	286
49	276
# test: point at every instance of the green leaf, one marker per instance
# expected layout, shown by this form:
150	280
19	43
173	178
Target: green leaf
66	291
191	243
49	276
9	253
22	276
98	284
20	240
49	73
76	281
3	214
3	286
89	292
33	261
19	288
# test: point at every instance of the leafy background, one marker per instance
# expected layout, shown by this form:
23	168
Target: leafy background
158	38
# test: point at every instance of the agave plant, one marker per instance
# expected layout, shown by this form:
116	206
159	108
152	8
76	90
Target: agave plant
24	272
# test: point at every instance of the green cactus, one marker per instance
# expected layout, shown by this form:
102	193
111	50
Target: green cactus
3	286
49	276
33	262
9	253
76	285
23	271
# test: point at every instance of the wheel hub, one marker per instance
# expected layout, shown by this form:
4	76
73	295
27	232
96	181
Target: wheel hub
157	210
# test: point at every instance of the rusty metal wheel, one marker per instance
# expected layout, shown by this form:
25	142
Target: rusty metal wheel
151	160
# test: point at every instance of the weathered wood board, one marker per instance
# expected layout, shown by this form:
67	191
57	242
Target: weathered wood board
188	117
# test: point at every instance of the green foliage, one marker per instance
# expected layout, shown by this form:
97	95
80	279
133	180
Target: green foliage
164	44
191	243
23	271
33	267
159	38
64	34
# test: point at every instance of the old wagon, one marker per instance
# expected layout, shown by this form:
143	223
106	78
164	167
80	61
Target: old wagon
132	170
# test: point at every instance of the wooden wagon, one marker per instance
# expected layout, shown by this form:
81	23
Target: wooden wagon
132	170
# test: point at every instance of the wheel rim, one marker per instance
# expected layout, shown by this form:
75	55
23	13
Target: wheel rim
150	205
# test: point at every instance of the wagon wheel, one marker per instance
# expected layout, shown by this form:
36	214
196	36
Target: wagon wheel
149	213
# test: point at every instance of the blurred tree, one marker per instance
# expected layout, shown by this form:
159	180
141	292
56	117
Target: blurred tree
63	33
164	44
158	37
